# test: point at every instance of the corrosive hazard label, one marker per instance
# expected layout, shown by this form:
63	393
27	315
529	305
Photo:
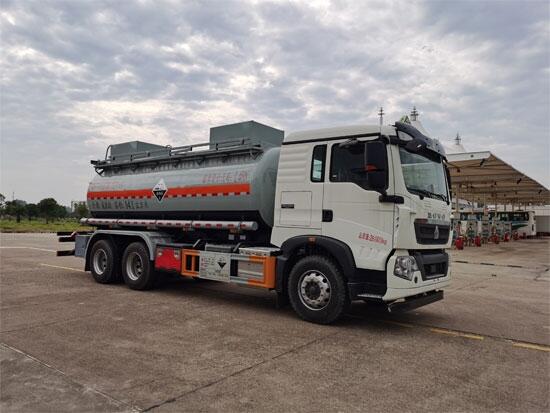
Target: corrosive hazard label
214	266
159	190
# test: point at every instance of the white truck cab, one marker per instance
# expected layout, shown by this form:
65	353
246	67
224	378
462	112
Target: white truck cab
376	201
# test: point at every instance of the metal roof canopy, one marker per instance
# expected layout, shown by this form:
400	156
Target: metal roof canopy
483	177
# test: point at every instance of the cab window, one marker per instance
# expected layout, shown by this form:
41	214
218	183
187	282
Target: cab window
349	163
318	163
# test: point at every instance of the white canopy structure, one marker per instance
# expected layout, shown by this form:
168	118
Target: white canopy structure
483	177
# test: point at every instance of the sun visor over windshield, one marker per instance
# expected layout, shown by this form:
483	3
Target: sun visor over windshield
420	141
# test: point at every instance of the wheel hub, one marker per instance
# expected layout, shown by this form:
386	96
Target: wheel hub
134	266
100	261
314	290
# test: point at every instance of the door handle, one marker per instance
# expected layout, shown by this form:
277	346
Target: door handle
394	199
327	215
287	206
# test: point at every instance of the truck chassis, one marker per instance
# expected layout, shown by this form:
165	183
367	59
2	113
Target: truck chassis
315	280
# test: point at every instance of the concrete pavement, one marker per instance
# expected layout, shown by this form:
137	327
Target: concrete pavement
68	343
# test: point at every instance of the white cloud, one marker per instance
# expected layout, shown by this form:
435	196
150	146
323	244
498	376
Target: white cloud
109	122
14	57
125	76
8	17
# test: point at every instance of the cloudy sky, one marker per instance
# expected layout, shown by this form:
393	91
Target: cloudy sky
79	75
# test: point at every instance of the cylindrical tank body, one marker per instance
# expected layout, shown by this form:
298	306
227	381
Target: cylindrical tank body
232	187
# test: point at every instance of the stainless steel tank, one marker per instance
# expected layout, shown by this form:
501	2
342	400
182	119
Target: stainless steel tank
232	179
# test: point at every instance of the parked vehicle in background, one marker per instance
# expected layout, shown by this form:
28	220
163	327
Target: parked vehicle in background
522	222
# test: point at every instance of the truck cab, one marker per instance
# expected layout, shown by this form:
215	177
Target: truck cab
375	202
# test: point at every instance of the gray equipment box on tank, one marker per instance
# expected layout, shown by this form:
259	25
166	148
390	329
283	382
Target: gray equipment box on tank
256	134
127	150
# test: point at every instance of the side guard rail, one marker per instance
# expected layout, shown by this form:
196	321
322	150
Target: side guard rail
65	236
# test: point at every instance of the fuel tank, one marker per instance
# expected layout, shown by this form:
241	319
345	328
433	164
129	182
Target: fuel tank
225	179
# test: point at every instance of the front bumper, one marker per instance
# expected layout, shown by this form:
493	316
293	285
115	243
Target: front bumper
393	294
410	303
433	275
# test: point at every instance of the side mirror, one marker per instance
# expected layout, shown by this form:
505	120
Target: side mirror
376	165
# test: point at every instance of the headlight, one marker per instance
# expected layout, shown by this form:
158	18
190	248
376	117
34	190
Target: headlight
405	267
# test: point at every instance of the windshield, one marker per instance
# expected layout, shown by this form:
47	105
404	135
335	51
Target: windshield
423	176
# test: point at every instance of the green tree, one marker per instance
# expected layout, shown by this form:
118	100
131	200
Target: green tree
32	211
2	204
81	211
48	208
61	212
16	209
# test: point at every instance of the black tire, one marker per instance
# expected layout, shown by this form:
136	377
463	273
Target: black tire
104	262
309	297
201	280
137	269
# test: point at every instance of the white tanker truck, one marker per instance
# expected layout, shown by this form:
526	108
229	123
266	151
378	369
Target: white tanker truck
323	217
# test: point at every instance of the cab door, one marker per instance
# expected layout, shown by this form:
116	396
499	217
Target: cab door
359	218
299	197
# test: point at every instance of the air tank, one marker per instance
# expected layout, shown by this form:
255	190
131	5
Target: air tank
232	177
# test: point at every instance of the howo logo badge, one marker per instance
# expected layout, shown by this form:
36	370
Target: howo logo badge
436	232
435	215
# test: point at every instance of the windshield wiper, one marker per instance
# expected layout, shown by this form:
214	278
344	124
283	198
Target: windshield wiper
429	194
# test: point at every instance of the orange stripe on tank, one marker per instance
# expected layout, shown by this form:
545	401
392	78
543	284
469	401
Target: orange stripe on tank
173	192
146	193
209	189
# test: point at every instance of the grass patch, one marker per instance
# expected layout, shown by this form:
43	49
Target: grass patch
39	225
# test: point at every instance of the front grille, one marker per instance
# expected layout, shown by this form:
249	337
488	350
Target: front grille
427	233
432	264
435	270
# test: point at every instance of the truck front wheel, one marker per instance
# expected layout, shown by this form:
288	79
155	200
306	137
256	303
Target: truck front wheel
317	290
104	262
137	270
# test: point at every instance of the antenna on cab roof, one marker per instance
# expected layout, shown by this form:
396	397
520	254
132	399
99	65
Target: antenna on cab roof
414	114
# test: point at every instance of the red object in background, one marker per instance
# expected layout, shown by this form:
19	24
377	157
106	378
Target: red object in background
168	258
477	241
495	239
459	243
515	236
506	237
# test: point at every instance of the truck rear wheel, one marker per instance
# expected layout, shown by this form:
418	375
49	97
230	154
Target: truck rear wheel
104	262
317	290
137	270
